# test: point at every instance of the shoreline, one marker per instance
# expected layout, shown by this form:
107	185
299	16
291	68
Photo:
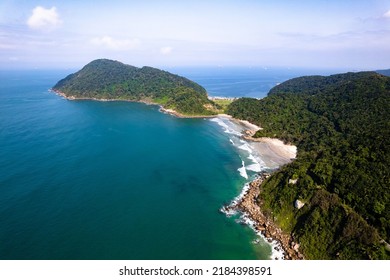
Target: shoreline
263	224
277	146
162	109
282	244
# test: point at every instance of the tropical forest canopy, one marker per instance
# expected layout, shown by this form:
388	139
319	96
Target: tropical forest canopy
108	79
341	126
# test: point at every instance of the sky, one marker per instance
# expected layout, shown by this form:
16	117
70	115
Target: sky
348	34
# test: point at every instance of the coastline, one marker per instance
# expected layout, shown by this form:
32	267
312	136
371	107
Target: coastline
277	146
245	203
283	245
148	102
250	205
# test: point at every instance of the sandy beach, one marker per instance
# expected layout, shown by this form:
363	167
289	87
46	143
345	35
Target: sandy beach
280	149
274	153
272	150
245	124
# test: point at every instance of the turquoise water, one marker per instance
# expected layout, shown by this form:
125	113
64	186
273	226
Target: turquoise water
112	180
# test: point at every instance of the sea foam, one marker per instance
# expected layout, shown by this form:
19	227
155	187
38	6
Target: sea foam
251	161
227	125
255	164
245	147
242	170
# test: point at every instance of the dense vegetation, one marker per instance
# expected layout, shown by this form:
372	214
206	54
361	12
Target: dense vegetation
107	79
341	125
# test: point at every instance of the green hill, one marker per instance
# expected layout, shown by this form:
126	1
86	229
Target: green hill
108	79
341	126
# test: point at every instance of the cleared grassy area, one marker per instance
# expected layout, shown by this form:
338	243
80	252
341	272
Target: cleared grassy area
223	103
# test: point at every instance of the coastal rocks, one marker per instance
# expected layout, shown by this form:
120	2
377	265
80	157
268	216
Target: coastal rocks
247	204
299	204
249	132
228	211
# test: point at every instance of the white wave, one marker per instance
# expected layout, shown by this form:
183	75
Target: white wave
253	162
245	147
255	167
219	121
277	251
252	158
244	190
257	164
227	125
228	211
242	170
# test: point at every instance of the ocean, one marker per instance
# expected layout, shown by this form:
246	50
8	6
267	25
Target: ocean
121	180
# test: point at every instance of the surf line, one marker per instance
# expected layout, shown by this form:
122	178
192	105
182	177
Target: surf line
283	245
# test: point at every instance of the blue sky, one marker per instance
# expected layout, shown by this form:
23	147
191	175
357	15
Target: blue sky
349	34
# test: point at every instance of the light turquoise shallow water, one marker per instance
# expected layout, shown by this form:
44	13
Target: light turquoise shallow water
112	180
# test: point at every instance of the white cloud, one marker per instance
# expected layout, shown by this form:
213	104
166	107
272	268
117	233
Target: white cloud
44	19
116	44
387	14
166	50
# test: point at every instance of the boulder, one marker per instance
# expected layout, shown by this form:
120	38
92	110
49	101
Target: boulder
292	181
299	204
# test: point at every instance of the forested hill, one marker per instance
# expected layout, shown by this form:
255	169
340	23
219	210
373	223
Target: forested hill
108	79
341	125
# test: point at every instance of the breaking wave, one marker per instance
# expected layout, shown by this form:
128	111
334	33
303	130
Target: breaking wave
250	160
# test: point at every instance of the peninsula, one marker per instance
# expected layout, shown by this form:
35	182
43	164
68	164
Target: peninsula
105	79
333	199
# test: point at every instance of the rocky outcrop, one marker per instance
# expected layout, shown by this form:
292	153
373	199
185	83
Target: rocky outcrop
293	181
299	204
262	223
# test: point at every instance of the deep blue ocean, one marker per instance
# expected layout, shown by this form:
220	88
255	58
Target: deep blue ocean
119	180
244	81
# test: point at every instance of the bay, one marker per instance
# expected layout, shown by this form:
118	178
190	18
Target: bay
112	180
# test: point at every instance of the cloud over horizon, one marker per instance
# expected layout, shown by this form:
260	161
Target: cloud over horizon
69	33
44	19
166	50
116	44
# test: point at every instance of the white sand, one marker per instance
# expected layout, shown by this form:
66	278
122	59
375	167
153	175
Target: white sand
243	123
279	148
272	150
249	125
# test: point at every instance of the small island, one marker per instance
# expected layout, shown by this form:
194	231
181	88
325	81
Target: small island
106	80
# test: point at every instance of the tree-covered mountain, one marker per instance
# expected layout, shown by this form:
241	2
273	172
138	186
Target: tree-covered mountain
341	126
108	79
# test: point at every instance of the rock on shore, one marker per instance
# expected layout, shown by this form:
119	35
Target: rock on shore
262	223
